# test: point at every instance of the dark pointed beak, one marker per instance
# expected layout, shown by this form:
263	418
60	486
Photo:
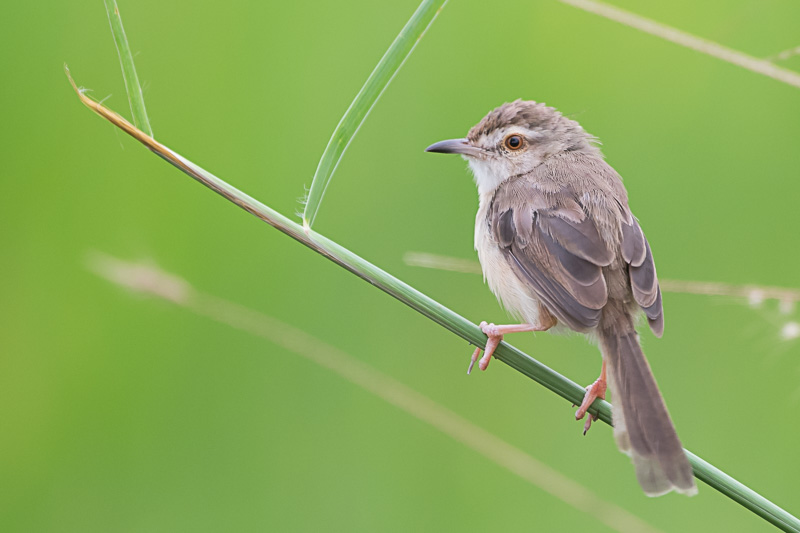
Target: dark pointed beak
456	146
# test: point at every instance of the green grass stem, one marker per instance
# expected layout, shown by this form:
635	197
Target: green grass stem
132	86
364	101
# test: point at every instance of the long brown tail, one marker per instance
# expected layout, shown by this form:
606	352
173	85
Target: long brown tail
642	426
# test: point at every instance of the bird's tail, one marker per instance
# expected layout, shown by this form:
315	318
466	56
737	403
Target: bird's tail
642	426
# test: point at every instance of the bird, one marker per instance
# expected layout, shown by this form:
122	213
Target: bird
561	250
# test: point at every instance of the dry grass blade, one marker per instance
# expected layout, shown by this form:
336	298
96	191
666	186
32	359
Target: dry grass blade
148	279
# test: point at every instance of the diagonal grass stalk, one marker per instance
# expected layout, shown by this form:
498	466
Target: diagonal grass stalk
425	305
373	88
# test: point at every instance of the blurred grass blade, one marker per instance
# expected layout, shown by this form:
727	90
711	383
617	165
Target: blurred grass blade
132	86
145	278
440	314
377	82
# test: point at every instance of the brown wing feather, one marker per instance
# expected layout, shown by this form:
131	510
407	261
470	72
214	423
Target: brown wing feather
642	272
558	250
579	238
633	243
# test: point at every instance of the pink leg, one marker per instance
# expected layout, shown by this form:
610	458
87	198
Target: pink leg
593	391
495	334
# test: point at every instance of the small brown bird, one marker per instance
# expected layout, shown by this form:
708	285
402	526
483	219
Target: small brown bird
559	248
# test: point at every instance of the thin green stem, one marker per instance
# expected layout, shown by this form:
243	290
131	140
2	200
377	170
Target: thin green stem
132	86
364	101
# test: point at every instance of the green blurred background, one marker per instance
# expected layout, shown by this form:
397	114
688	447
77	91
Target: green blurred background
124	413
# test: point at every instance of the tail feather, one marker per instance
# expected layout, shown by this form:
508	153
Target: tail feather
642	426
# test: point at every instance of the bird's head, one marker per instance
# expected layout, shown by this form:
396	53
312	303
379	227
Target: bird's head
514	139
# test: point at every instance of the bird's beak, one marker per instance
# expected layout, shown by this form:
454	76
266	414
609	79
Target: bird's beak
457	146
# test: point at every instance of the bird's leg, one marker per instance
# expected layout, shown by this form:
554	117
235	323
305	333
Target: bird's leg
495	334
593	391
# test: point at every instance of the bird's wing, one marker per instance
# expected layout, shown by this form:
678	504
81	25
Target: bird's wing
642	271
553	244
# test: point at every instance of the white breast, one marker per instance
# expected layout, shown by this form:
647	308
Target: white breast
510	290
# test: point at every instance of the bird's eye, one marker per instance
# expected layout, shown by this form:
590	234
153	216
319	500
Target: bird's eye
514	142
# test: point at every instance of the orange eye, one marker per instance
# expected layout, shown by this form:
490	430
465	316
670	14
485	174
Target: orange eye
514	142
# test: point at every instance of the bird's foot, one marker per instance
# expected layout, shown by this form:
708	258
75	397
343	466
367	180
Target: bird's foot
495	337
495	334
593	391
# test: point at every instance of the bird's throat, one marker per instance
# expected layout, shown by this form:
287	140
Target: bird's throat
488	174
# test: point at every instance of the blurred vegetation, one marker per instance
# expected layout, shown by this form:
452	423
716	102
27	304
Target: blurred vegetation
125	414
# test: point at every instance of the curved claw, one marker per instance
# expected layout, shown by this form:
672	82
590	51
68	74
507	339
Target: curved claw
591	418
472	360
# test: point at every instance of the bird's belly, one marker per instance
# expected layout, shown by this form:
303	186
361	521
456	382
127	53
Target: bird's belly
512	292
